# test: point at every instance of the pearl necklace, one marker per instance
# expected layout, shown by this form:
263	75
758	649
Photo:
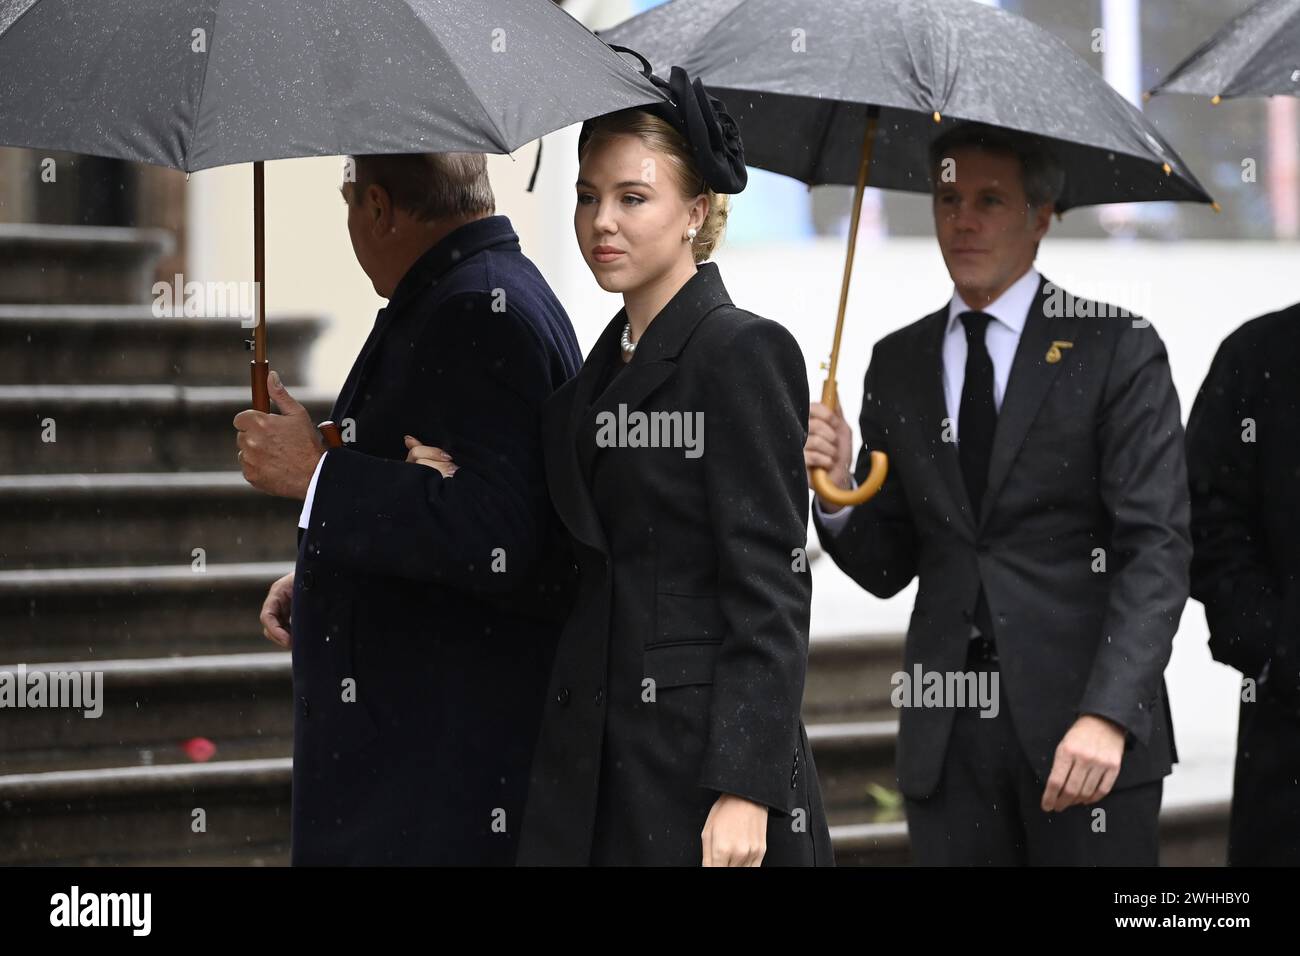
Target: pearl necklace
628	345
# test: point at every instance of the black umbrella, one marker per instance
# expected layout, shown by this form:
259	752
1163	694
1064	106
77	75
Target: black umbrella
193	84
1255	54
851	91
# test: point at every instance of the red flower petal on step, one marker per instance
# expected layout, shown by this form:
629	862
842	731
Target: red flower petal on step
199	749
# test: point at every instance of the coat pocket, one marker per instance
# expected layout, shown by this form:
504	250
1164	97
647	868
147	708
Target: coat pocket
687	618
681	664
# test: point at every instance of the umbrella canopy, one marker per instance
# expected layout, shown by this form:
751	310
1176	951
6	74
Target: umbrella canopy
193	84
1255	54
854	91
801	78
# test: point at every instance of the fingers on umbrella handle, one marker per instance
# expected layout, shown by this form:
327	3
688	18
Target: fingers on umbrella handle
333	437
828	491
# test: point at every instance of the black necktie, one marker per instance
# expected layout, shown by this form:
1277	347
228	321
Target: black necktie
977	419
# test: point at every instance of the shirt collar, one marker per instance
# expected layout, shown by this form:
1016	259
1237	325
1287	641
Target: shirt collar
1011	308
453	249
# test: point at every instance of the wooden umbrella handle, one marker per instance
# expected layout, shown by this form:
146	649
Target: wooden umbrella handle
260	366
333	437
826	489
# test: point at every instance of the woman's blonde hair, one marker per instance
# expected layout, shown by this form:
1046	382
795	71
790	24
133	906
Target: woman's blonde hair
659	135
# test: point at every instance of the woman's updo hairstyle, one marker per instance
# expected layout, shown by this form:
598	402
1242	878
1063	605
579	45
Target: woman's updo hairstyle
659	135
701	140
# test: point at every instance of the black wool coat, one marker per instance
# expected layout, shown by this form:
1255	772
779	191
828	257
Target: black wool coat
680	672
422	591
1243	460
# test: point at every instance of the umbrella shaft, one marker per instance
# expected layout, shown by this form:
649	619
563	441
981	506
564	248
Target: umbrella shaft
868	141
259	366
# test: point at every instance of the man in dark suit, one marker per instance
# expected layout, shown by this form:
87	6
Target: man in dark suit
1036	489
1243	459
421	643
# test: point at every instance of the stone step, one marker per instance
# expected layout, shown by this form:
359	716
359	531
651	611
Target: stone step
243	704
148	709
120	428
144	815
849	676
854	762
93	265
129	345
140	518
101	614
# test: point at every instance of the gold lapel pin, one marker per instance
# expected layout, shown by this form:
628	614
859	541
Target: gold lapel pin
1054	353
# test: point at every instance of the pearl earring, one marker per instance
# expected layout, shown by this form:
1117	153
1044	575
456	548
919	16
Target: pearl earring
690	234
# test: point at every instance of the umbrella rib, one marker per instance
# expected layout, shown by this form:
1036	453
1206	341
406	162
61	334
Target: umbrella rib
26	10
203	85
499	139
1291	23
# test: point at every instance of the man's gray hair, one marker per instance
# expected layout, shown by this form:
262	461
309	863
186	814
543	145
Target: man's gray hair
429	185
1042	174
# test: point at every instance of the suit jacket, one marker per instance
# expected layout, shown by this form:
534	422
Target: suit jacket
679	675
1087	467
1243	458
414	594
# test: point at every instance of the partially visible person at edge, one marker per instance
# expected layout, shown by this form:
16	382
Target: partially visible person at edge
672	734
420	646
1243	458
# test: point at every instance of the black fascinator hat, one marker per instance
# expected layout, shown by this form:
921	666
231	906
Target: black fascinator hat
703	121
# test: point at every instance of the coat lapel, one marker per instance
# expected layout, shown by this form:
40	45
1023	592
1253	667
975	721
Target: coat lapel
653	363
448	252
1032	374
571	491
343	404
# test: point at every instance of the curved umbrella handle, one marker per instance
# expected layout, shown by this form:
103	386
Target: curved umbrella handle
827	490
821	482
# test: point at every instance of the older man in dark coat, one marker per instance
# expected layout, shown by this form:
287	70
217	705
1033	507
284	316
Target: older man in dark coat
421	635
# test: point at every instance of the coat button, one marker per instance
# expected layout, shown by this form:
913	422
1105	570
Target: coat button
306	580
600	696
304	706
562	698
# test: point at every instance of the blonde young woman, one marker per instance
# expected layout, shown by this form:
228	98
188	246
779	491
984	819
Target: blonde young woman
671	733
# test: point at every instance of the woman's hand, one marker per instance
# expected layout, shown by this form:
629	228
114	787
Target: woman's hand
735	834
430	456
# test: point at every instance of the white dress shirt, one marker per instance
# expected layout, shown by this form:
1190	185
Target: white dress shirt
311	493
1010	312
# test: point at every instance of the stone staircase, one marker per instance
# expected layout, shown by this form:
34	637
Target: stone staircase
131	545
98	572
